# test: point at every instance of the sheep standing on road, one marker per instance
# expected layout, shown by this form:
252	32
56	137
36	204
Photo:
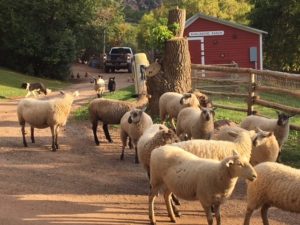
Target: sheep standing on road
110	111
195	123
111	84
41	114
276	185
99	86
170	104
155	136
133	124
189	177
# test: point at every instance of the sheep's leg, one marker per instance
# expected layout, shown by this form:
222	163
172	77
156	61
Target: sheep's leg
94	128
218	214
53	138
175	199
248	216
32	134
173	124
264	214
167	197
130	144
175	209
152	197
106	132
56	137
208	213
23	134
123	136
136	155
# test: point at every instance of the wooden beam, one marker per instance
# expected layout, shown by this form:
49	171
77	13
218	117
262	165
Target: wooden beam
278	106
230	108
294	127
224	93
295	93
248	71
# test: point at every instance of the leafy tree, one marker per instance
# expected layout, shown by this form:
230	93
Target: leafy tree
281	20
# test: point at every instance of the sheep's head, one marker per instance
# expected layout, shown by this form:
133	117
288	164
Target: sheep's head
239	167
283	118
135	115
260	137
207	113
111	79
189	99
168	135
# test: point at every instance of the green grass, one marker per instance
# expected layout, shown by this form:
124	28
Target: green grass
10	83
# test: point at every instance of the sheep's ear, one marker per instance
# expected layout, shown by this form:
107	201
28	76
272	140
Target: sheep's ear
257	129
144	109
233	134
160	127
267	134
278	113
62	92
229	163
235	153
214	108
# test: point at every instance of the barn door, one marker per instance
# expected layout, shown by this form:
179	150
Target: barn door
199	41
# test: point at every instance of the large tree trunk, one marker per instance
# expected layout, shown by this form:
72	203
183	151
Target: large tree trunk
177	16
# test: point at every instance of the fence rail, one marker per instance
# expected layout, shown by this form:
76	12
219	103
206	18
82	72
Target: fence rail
254	82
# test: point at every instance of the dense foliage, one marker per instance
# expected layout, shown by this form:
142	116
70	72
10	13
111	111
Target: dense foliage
281	20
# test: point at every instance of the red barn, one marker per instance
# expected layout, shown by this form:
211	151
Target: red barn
216	41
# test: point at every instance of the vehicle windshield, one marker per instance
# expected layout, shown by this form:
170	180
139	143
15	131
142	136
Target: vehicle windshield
120	51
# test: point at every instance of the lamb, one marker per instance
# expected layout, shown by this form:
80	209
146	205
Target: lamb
155	136
189	177
110	111
280	127
133	124
276	185
34	88
99	86
111	84
195	123
265	147
170	103
41	114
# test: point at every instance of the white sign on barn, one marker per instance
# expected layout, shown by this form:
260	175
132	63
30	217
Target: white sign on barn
206	33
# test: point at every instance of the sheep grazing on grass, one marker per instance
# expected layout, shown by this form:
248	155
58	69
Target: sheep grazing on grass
110	111
276	185
195	123
174	170
111	84
34	89
155	136
133	124
170	104
41	114
280	126
99	86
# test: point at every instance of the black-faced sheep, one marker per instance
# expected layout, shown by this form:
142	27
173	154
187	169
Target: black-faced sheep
41	114
110	112
111	84
174	170
133	124
276	185
195	123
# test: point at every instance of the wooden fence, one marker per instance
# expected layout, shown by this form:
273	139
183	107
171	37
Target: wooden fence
247	83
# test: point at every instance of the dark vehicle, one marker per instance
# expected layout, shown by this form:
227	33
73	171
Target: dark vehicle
118	58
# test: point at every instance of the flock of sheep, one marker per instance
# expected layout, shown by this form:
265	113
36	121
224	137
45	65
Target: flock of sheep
194	159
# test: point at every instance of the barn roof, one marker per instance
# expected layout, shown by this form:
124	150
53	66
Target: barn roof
224	22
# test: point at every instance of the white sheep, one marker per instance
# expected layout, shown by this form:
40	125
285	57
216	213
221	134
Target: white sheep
265	146
279	126
174	170
170	104
99	86
155	136
41	114
195	123
276	185
133	124
110	111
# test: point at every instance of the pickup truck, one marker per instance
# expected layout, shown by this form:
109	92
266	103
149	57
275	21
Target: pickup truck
118	58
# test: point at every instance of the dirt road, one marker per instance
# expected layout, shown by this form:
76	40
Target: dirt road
86	184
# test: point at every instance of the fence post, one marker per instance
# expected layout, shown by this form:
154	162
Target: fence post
251	94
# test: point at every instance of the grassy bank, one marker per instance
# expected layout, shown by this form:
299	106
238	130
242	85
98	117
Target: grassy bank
10	83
